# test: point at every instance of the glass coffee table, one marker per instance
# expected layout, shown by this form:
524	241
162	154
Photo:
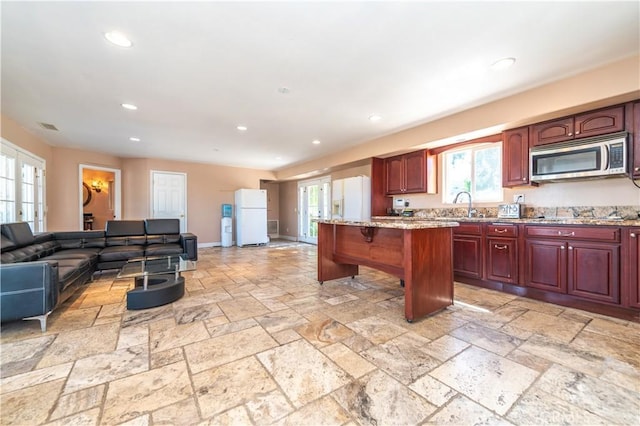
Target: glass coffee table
157	279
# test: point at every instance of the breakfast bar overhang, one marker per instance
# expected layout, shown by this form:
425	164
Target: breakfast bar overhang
419	253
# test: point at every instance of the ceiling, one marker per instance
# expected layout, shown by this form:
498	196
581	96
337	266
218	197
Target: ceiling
197	70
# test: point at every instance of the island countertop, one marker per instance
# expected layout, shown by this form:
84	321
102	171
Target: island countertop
394	224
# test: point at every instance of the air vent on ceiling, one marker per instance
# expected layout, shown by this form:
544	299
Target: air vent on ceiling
48	126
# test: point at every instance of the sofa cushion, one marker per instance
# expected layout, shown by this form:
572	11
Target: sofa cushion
163	249
162	226
6	244
119	253
80	239
83	253
18	232
124	228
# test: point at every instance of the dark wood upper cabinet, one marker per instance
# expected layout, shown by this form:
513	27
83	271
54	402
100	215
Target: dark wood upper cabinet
593	123
410	173
515	157
635	145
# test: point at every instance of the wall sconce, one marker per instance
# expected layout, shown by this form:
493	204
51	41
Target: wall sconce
96	185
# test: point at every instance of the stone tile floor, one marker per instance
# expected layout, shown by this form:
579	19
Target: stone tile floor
256	340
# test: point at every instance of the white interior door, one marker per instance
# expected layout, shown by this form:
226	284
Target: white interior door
313	203
169	196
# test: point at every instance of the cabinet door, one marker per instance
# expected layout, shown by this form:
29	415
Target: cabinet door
515	157
552	131
415	170
631	265
546	265
635	146
502	260
594	271
394	171
599	122
467	256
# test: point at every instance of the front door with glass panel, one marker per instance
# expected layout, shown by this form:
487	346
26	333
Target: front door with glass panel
313	204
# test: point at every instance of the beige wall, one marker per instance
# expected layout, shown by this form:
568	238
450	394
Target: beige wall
616	82
210	186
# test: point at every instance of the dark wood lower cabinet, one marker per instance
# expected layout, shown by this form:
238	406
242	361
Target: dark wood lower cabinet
631	267
546	265
594	271
502	260
594	268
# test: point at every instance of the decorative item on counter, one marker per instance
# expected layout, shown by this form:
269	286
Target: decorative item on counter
407	213
509	211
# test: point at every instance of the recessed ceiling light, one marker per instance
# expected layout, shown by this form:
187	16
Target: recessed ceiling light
284	90
242	128
503	63
132	107
374	117
315	142
278	158
134	139
118	39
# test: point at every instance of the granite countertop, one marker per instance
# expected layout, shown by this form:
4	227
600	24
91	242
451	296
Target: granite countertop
548	220
383	222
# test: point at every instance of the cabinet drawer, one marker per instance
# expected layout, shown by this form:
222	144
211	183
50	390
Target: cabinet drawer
574	232
468	229
502	230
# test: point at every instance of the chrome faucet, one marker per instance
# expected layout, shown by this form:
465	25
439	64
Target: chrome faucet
455	200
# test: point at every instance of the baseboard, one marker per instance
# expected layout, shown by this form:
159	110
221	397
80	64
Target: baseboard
288	238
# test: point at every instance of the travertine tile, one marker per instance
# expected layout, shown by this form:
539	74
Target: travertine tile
281	320
321	412
463	411
35	377
84	418
613	403
325	332
266	408
487	338
539	407
445	347
30	405
235	417
404	357
160	359
128	397
348	360
242	308
478	374
378	399
375	329
180	335
229	347
77	402
437	393
184	412
76	344
133	336
547	325
310	377
106	367
219	389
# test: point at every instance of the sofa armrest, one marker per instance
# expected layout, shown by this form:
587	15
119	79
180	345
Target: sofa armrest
28	289
189	243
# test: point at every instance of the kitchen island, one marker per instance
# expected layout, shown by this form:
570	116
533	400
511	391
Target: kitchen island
419	253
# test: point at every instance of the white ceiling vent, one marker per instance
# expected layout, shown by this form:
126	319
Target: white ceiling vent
48	126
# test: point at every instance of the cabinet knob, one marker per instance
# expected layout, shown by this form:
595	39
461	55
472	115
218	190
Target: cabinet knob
637	169
499	231
562	247
526	178
577	133
570	248
501	247
568	234
569	134
632	235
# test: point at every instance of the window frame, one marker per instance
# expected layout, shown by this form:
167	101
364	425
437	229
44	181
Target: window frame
473	148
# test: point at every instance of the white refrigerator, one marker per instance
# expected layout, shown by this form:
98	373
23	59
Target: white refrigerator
251	217
351	198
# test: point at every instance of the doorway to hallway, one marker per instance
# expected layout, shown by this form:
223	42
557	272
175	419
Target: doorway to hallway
313	203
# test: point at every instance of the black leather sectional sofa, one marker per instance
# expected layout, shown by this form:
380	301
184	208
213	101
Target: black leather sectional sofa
38	272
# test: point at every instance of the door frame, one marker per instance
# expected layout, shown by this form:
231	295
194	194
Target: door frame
326	213
117	191
183	220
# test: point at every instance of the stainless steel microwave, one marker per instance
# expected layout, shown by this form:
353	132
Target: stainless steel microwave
604	156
